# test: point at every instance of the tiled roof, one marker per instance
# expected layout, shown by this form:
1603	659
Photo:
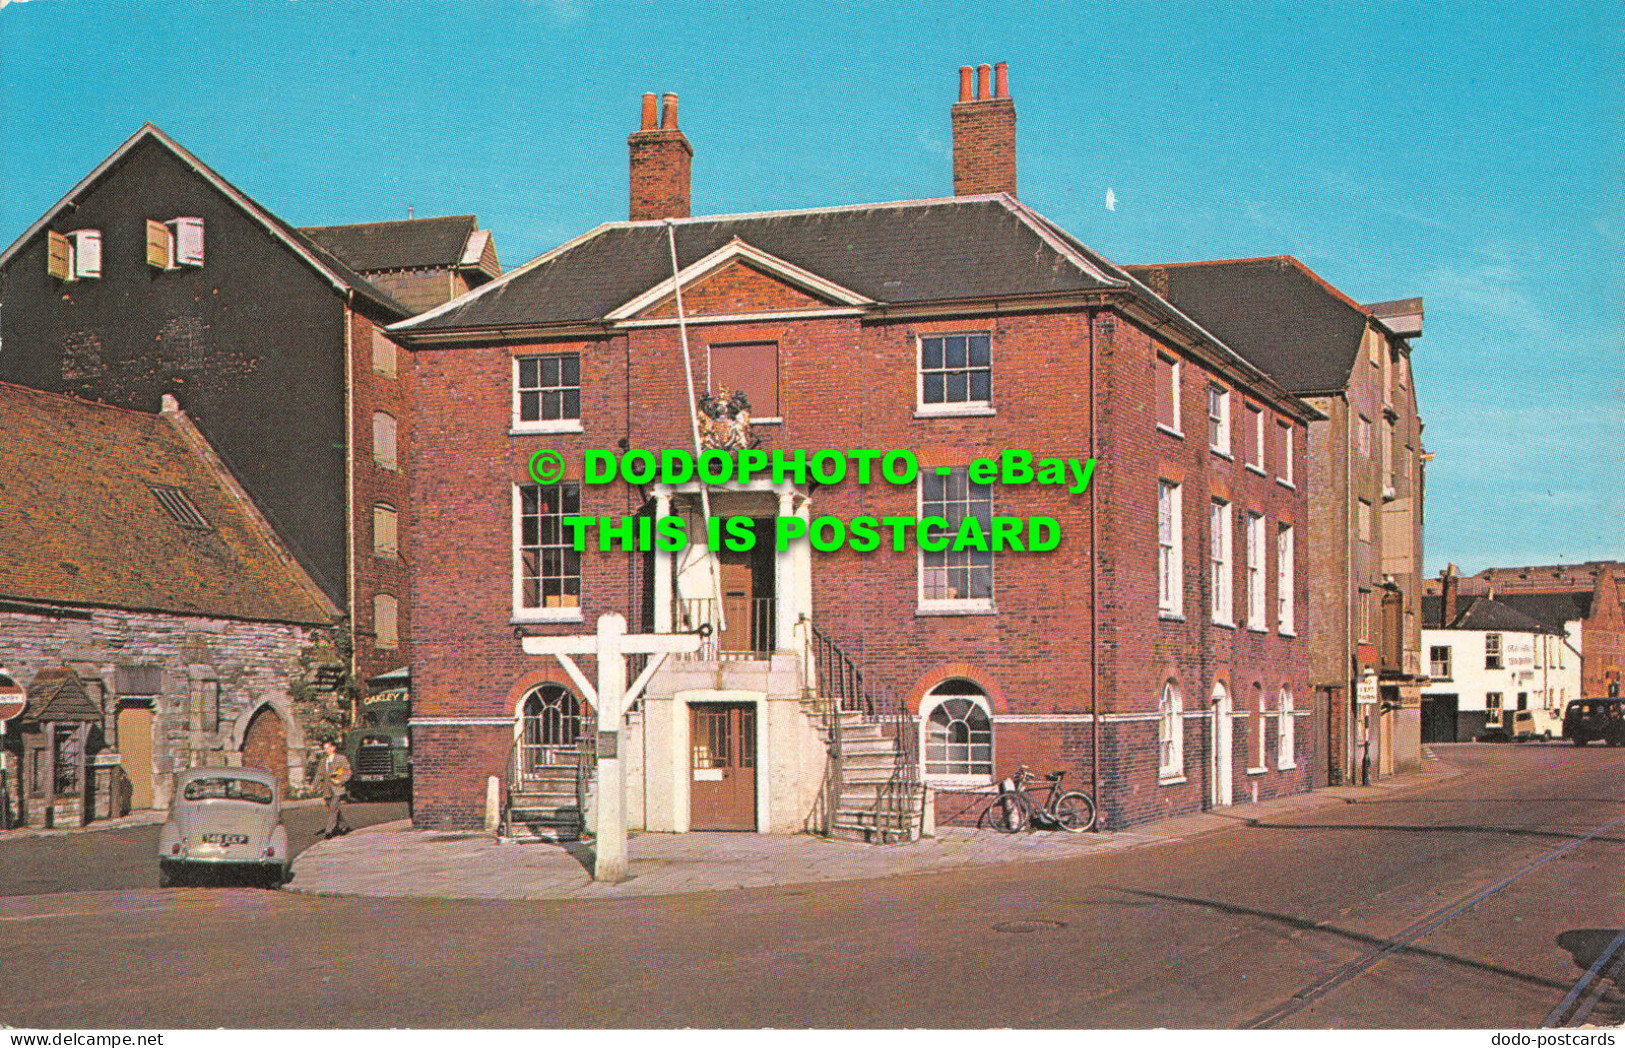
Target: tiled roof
1276	312
413	244
904	253
96	506
59	695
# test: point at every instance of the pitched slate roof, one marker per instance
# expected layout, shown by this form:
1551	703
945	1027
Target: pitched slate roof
59	695
83	490
418	243
1276	312
335	272
1483	613
909	252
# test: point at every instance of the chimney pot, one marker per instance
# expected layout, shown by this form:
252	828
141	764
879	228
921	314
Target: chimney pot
967	78
984	136
661	161
1001	80
168	405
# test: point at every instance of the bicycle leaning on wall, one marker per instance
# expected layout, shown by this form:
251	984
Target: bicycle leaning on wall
1015	808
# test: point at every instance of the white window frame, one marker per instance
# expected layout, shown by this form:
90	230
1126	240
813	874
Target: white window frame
928	705
968	406
1177	429
1170	552
1170	735
1286	756
1448	662
1257	590
521	612
560	425
1498	653
1285	568
1283	470
1364	436
1262	750
1256	422
80	252
1221	575
953	605
1218	418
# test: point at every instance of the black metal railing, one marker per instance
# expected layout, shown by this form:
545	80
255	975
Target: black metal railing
750	631
840	686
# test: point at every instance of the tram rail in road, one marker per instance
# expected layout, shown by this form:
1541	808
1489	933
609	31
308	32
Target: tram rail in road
1402	940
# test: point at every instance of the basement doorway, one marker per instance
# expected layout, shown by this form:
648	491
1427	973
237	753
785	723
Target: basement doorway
722	794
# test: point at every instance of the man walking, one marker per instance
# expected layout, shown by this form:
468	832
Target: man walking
332	775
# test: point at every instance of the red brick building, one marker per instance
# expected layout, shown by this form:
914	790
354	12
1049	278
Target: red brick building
1153	654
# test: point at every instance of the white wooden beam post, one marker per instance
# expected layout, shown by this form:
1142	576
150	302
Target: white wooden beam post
611	645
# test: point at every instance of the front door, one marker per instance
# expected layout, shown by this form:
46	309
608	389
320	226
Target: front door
135	752
1222	724
722	793
737	603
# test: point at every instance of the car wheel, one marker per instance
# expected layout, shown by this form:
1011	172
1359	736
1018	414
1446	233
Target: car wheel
169	875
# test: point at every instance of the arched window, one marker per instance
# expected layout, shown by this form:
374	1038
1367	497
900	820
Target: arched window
1286	751
958	731
551	721
1170	733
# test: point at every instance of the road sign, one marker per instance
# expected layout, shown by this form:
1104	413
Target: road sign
13	699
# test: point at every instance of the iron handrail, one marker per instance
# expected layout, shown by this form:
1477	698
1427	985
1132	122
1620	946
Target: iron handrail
840	682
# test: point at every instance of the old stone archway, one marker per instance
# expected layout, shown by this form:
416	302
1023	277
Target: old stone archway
265	744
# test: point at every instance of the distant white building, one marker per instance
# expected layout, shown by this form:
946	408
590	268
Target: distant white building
1490	659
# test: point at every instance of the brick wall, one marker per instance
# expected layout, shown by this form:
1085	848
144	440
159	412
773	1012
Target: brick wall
846	384
374	391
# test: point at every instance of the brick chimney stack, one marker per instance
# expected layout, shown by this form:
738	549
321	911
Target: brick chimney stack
984	133
1447	585
661	159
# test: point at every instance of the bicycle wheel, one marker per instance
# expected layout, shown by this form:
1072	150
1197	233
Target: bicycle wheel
1075	812
1008	813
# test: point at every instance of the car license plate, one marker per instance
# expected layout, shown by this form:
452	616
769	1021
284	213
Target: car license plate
225	838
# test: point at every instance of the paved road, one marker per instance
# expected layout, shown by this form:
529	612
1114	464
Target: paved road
127	857
1284	922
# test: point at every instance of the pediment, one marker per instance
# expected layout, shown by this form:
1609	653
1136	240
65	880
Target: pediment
739	280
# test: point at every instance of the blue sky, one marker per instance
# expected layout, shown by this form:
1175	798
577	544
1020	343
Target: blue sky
1470	153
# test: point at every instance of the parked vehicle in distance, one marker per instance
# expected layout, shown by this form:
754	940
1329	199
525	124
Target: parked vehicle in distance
380	748
1515	726
224	819
1587	719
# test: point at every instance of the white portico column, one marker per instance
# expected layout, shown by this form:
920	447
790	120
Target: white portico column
785	587
663	568
801	561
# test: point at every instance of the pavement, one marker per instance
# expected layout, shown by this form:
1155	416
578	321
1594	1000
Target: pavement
144	817
396	860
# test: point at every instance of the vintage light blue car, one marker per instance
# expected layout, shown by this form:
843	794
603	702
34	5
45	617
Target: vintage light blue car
224	818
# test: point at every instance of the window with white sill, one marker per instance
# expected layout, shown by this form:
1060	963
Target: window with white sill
955	373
